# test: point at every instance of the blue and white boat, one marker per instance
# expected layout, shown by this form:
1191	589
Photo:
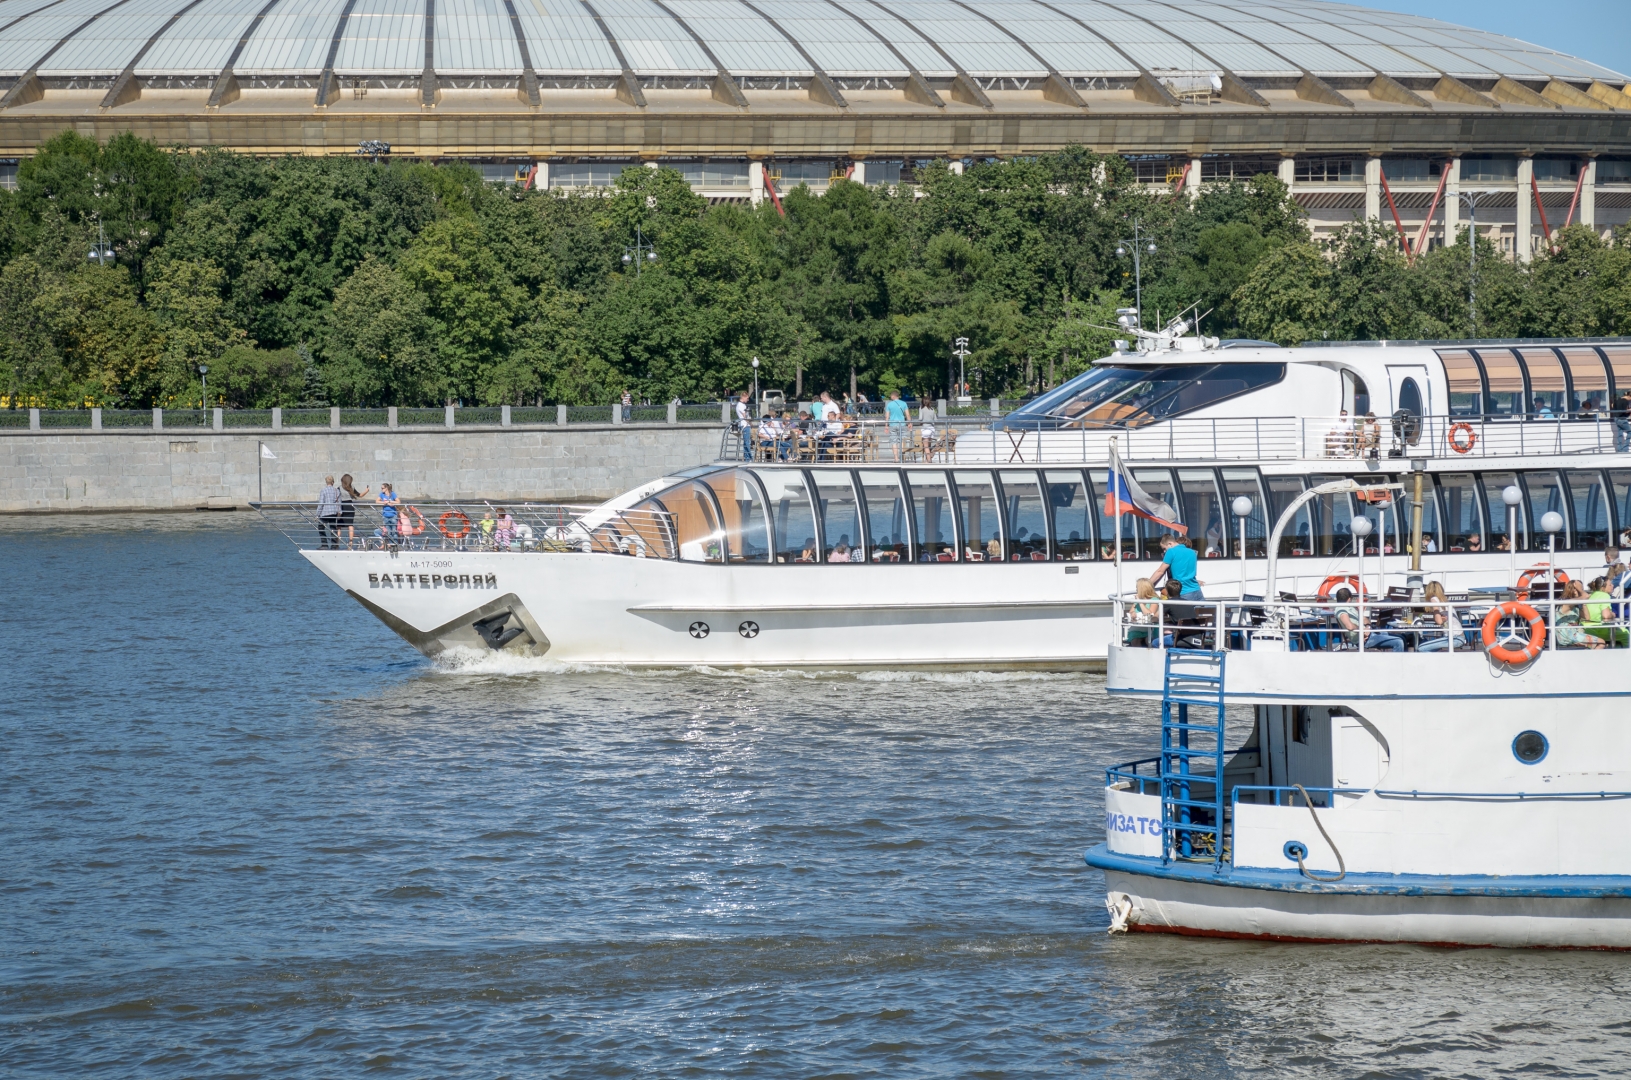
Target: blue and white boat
1474	791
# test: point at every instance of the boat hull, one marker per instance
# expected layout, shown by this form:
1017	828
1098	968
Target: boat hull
1564	913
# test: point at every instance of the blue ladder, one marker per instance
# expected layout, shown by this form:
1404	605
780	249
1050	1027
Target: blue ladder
1192	827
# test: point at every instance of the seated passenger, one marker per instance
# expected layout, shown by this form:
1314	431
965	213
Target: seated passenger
1347	616
1569	633
809	552
839	553
1475	543
1143	615
1444	628
1599	617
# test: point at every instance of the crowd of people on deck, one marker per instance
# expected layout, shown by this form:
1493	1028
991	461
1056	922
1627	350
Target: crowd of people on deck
829	430
403	525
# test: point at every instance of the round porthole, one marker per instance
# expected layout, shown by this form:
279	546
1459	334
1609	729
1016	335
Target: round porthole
1530	747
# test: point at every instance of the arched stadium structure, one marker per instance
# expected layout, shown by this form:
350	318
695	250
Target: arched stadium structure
1361	111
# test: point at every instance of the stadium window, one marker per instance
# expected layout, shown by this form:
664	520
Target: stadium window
1153	168
1557	170
1222	168
883	173
1329	170
1408	169
1489	167
1610	170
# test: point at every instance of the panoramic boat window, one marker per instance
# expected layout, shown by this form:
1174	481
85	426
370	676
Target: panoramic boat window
1592	528
1431	540
1589	376
886	515
646	530
1203	512
1072	507
791	517
1122	395
1157	483
1505	377
1494	484
1619	486
1333	519
1463	512
982	514
1247	482
1386	513
747	526
1026	515
1548	393
695	521
1466	383
1105	522
1298	538
840	517
1355	395
1546	493
1410	402
1619	362
936	535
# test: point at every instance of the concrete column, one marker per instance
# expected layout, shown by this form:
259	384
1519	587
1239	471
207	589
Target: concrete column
277	418
33	419
219	423
334	417
1288	171
617	414
858	175
158	419
1588	195
940	408
673	412
957	167
541	181
1373	189
1452	201
1192	179
560	415
1522	242
756	182
447	416
96	419
390	417
504	416
996	406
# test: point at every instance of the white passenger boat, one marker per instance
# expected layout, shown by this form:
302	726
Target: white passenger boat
1471	790
1001	551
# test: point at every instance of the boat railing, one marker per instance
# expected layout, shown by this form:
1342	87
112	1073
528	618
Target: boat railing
1395	621
1127	773
1015	441
429	526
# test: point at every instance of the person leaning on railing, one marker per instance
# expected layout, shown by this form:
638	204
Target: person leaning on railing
1143	617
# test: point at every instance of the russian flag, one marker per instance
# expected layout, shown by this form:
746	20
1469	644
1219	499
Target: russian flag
1135	500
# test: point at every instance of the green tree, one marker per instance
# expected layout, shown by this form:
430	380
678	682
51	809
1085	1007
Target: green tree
380	347
1286	298
185	298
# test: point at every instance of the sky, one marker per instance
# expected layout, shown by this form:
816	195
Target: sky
1596	30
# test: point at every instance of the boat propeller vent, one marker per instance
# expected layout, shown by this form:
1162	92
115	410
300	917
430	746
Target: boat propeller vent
496	630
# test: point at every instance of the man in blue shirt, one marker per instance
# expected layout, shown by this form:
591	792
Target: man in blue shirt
1178	559
899	416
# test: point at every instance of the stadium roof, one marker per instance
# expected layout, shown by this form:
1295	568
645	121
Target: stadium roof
107	59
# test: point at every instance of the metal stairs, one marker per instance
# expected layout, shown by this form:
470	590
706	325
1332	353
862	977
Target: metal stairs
1192	805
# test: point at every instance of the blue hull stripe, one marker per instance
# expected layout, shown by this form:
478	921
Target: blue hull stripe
1201	873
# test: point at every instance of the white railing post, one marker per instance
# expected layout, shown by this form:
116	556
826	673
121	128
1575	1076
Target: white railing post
560	415
96	419
158	419
673	412
447	416
218	420
334	417
504	416
277	417
33	419
390	417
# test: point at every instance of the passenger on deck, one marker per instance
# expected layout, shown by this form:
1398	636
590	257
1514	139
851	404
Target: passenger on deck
809	552
1445	625
1178	564
1599	616
1475	543
1569	633
1347	616
1142	615
504	530
839	553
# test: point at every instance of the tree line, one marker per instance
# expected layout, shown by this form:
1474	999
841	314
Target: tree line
346	281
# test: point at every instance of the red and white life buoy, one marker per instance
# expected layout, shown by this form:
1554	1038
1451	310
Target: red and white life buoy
1558	576
1456	443
1494	644
1330	584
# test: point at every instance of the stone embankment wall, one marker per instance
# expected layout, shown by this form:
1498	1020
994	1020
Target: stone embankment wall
178	469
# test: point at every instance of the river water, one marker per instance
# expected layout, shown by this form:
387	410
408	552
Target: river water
248	832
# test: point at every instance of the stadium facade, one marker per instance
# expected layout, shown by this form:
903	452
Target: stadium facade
1362	112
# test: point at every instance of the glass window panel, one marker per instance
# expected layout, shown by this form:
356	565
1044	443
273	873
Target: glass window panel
1494	484
588	174
1298	537
1548	394
791	516
1203	512
1547	493
1071	505
649	525
1333	520
1247	482
1463	512
886	514
840	515
981	516
747	528
1383	511
475	36
1589	376
1106	523
1026	515
696	524
1431	539
1135	396
1619	485
1466	385
1157	483
1505	377
1592	527
936	535
1619	361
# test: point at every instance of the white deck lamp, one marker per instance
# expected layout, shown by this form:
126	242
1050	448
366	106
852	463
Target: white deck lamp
1242	506
1551	523
1512	497
1361	528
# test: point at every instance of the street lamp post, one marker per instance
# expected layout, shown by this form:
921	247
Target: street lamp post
757	408
1361	529
1139	249
1512	497
1242	506
101	253
643	251
960	350
204	391
1552	523
1470	200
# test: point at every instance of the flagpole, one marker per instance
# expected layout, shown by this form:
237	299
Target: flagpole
1115	495
260	493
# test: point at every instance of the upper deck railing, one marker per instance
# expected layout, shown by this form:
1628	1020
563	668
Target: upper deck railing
970	441
424	526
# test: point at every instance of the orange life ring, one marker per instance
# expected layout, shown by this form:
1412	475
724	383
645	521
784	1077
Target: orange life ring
1456	444
1330	583
454	515
1558	576
402	521
1514	609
